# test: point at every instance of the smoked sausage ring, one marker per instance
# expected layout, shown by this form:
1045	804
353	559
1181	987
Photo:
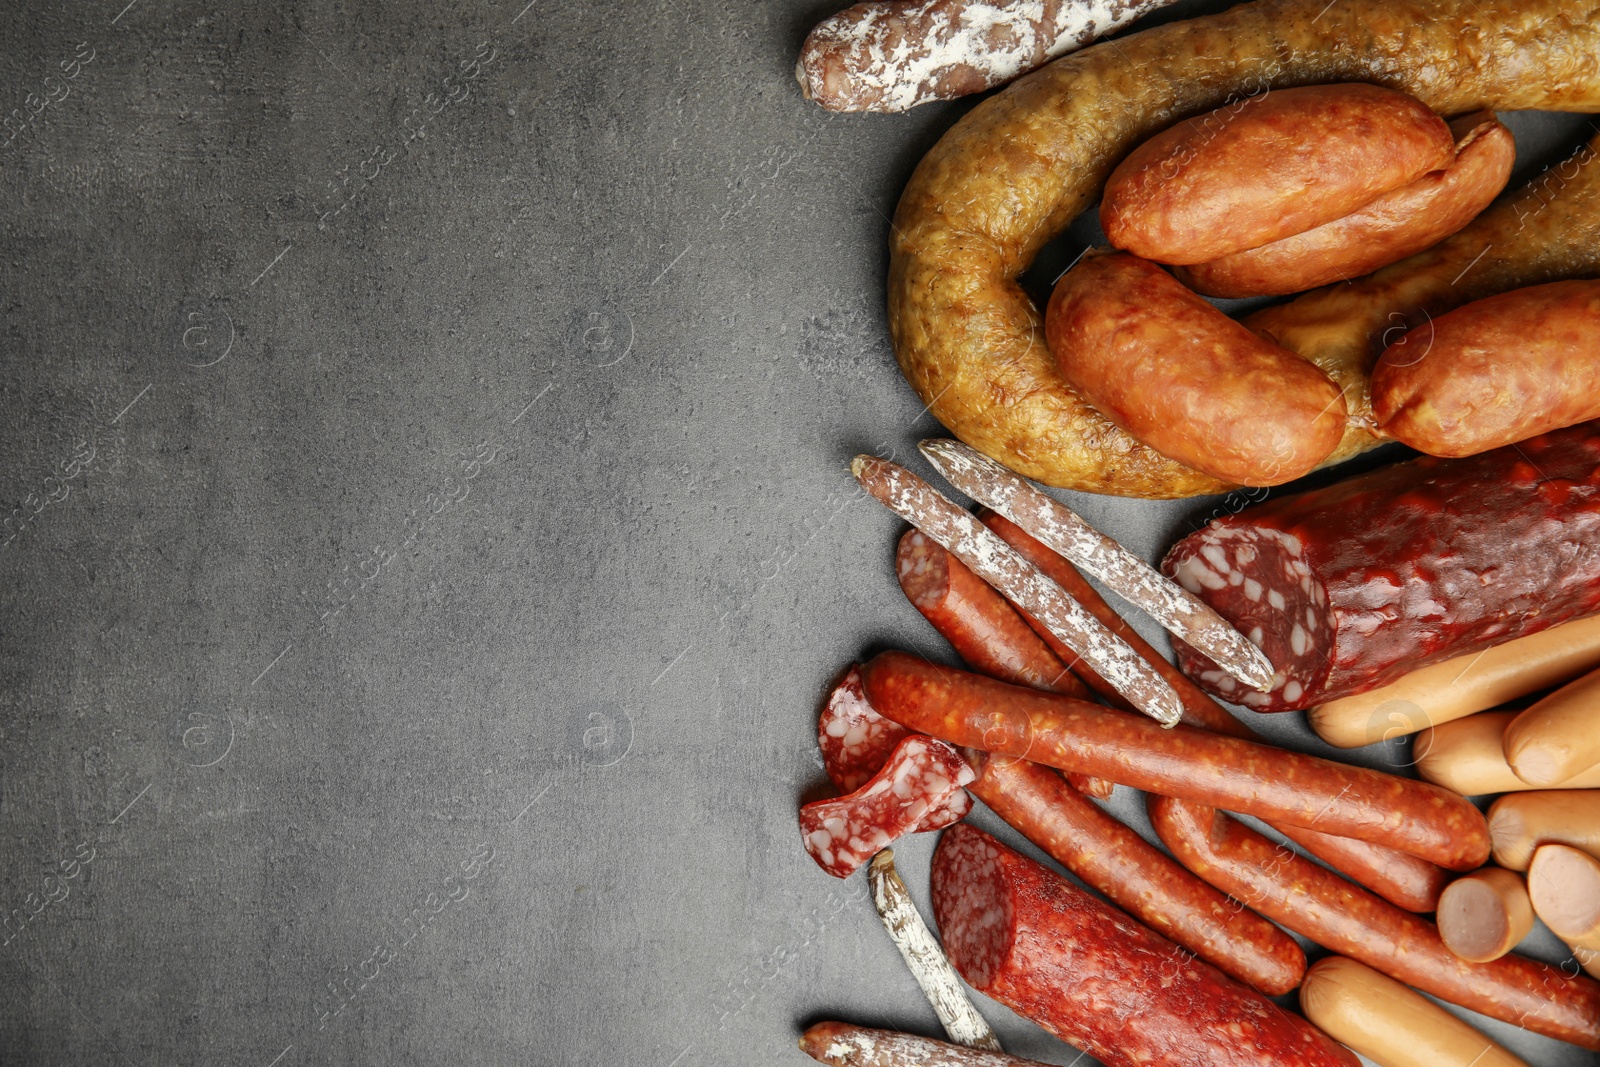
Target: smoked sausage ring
1018	168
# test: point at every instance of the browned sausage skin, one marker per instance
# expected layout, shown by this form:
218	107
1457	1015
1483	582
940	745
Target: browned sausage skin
1400	223
1178	375
1268	167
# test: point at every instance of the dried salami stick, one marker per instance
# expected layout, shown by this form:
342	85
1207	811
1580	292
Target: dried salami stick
894	56
1130	577
996	563
843	1045
1398	877
939	981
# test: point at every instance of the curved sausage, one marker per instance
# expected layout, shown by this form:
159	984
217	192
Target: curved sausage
1398	224
1318	904
1178	375
1485	914
1493	372
1047	950
1244	776
1021	165
1268	167
1521	822
1136	876
1388	1023
1400	878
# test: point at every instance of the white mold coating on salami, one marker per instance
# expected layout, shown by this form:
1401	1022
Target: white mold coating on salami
1376	576
997	563
842	1045
1057	527
843	833
894	56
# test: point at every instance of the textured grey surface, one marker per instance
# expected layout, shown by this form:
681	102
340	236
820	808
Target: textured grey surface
425	434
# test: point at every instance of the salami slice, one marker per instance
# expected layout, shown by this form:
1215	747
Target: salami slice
843	833
1094	977
1350	587
856	742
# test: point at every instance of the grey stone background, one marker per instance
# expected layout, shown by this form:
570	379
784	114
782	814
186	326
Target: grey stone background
427	533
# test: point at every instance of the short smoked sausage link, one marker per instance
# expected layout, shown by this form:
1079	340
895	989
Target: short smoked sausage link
1350	587
1244	776
1400	878
1135	875
1348	920
984	628
1092	976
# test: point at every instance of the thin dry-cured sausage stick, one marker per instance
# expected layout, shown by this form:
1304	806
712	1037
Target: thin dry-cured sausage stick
1400	878
1135	875
843	1045
993	560
925	959
1352	922
984	628
1181	761
1057	526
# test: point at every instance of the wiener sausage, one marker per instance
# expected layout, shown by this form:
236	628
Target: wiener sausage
1388	1023
1521	822
843	1045
892	55
1178	375
1558	739
1047	950
1400	223
1244	776
1400	878
1350	587
1493	372
1014	171
1136	876
1318	904
983	627
1460	686
1564	884
1266	168
1485	914
1469	756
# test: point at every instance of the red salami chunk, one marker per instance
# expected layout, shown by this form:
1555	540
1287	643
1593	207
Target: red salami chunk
1096	978
1350	587
843	833
856	742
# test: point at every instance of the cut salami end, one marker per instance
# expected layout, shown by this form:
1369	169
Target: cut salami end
856	742
843	833
1350	587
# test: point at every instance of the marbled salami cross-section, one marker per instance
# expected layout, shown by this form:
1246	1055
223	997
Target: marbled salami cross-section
1350	587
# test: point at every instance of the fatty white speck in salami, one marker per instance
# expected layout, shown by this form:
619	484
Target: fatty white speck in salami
1094	977
843	833
1373	577
856	742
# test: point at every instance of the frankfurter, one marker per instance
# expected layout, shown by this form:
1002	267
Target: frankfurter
843	1045
1521	822
1398	224
1469	756
1134	875
1177	374
1255	779
1564	884
1352	586
1460	686
1485	914
1318	904
1016	169
1558	739
1400	878
1493	372
1094	977
1313	154
1389	1024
